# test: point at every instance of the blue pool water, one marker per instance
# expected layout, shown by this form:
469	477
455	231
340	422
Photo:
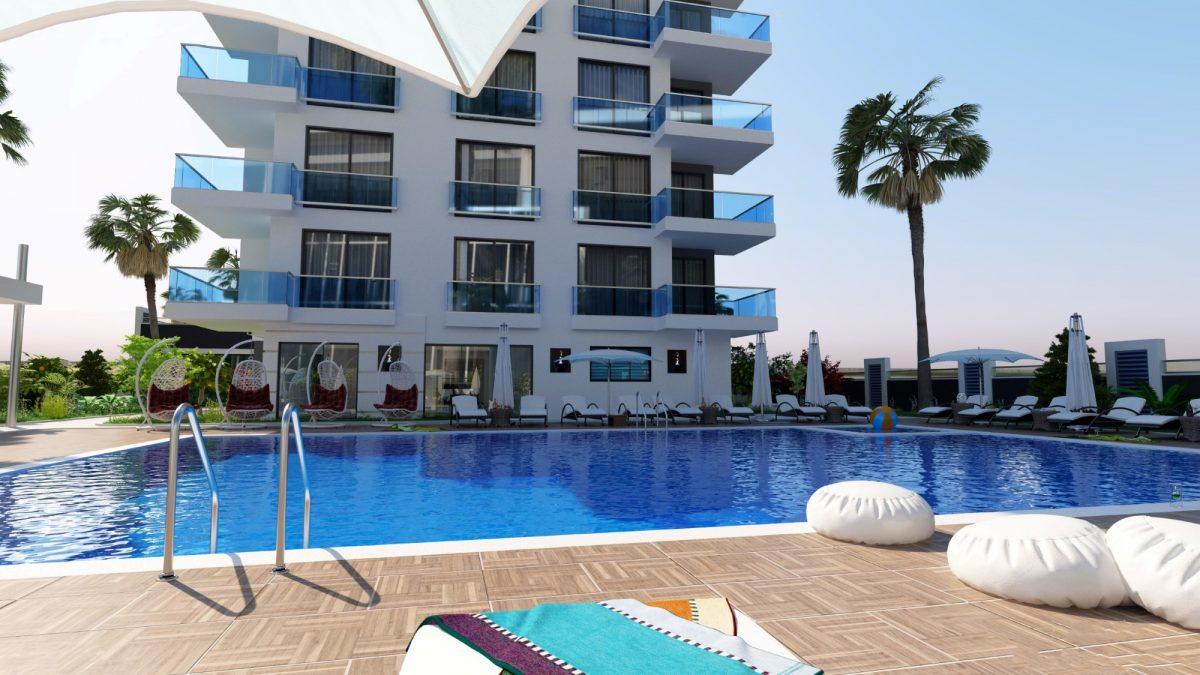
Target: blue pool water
381	488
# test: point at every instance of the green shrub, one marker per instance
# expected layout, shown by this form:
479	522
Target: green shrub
55	407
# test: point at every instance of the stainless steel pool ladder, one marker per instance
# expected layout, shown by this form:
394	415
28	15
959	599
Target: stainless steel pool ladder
291	415
186	411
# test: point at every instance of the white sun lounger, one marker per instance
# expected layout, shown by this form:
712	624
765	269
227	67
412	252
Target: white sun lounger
787	405
939	411
533	408
466	407
578	410
1159	422
686	411
726	408
1021	410
851	410
636	407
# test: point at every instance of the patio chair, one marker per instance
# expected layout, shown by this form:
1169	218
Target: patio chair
786	405
579	410
947	412
725	408
1125	409
328	400
1162	420
533	408
466	407
1021	410
168	390
687	411
249	393
401	399
839	401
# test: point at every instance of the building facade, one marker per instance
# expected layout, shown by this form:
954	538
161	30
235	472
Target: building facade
573	201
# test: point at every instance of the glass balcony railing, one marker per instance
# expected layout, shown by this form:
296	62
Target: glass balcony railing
613	25
613	301
483	296
495	200
197	284
716	300
203	172
714	20
613	207
609	114
688	203
345	292
498	103
230	65
715	112
355	89
354	190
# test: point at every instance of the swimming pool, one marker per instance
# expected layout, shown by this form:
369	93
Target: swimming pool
397	488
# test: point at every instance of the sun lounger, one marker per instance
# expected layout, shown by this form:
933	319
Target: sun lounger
686	411
578	410
466	407
851	410
1161	421
636	407
941	411
726	408
1021	410
533	408
1119	414
787	405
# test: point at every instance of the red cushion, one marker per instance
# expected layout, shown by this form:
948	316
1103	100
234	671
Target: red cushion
399	399
162	400
327	399
250	399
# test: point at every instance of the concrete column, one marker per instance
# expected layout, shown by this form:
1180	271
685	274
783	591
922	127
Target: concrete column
18	330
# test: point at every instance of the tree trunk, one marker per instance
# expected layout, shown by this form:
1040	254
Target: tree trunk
152	305
916	231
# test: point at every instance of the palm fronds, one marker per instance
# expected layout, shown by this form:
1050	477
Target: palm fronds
14	135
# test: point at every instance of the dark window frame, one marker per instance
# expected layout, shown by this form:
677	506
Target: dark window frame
490	240
350	150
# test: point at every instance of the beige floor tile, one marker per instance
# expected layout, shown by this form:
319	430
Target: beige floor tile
741	544
425	590
34	616
967	632
813	563
1058	662
852	643
774	599
732	567
832	594
332	570
293	597
159	649
326	668
944	580
1181	650
223	577
380	665
98	584
294	640
571	554
177	602
534	582
915	556
632	575
422	564
19	588
682	593
1084	627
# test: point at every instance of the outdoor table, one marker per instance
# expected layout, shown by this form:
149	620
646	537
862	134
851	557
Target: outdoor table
1041	420
835	414
1190	427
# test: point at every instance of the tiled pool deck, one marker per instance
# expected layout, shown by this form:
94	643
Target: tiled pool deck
843	607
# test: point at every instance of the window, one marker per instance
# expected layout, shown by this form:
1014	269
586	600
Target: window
691	196
339	76
621	372
343	151
677	361
453	370
293	385
557	365
639	6
328	56
692	289
497	261
348	270
615	81
613	281
516	70
494	163
613	188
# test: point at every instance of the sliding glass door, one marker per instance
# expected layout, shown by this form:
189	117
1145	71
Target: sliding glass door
345	270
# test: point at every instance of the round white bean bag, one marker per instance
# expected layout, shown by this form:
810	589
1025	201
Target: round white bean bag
869	512
1038	559
1160	560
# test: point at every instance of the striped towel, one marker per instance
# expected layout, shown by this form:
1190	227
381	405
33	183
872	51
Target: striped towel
615	636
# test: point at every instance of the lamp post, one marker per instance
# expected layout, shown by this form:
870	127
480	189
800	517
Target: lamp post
14	361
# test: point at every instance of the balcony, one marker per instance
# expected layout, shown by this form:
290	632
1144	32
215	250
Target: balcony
344	292
495	200
350	89
495	297
613	301
721	133
535	23
725	222
238	93
234	197
711	44
613	208
227	296
612	25
737	309
335	189
602	114
498	104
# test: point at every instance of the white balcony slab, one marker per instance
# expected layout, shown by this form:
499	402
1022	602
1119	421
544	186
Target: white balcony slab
342	317
619	323
232	214
726	149
242	115
724	237
17	292
736	326
727	62
492	320
225	315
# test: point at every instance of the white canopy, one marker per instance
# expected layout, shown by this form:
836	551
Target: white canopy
980	355
502	383
455	43
1081	389
814	384
608	357
760	393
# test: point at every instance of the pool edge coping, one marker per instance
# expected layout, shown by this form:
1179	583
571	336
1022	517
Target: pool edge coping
328	554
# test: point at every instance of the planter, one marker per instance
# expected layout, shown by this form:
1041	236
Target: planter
710	415
501	417
618	420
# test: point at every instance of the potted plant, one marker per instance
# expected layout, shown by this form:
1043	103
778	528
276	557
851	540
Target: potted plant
501	414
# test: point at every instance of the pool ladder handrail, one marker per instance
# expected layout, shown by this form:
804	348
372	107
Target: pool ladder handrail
291	414
186	411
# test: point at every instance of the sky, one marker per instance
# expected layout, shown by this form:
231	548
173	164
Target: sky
1084	207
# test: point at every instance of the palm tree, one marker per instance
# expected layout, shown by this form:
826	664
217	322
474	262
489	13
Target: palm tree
908	153
225	263
141	237
13	132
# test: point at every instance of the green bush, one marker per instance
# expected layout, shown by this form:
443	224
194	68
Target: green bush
55	407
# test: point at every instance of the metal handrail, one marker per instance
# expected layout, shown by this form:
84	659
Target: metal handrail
185	410
291	413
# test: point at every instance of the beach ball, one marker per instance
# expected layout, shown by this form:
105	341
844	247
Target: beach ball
883	418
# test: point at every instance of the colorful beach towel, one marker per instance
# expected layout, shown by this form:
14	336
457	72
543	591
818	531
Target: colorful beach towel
615	636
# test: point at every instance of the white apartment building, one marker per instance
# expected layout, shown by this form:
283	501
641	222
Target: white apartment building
572	201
